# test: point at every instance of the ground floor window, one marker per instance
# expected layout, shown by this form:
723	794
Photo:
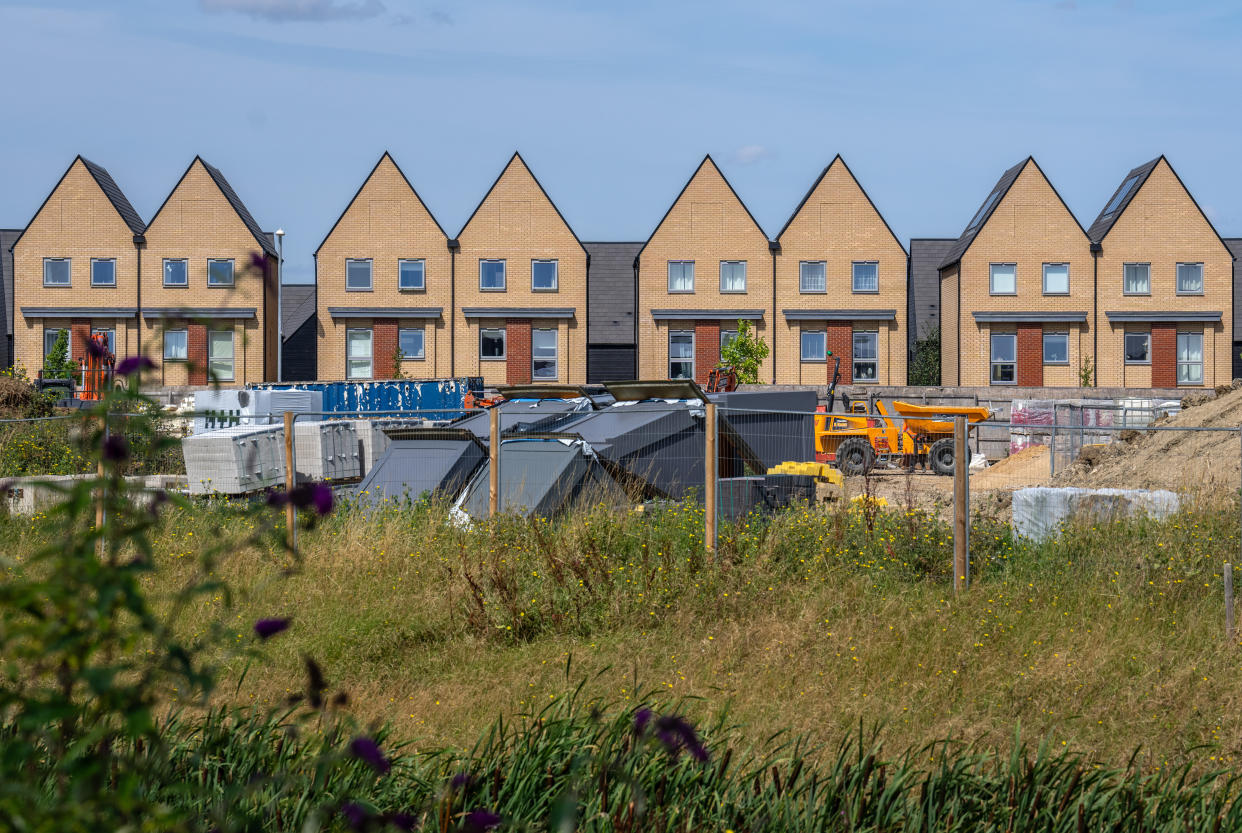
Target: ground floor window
543	355
492	343
1056	348
727	337
866	356
1190	358
176	346
814	346
220	355
681	354
50	336
109	335
411	343
1004	359
1138	348
358	354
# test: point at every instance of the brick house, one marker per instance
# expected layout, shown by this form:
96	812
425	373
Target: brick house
1016	289
841	277
75	268
520	279
384	279
208	288
707	265
1164	299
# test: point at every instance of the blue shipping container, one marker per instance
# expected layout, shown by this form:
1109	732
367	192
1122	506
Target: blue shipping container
444	398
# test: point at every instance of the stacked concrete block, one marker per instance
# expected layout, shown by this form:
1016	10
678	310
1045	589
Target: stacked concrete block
235	460
326	450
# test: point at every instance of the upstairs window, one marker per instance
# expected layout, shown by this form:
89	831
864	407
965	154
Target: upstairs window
1003	278
866	276
219	272
411	275
492	275
176	272
1056	278
681	276
814	346
1137	279
812	276
103	271
358	275
56	271
1190	279
732	276
543	355
543	275
411	343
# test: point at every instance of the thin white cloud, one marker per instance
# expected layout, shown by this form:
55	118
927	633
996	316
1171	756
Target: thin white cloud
749	154
282	11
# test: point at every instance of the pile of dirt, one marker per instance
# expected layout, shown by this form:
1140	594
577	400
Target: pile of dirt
19	399
1029	467
1186	461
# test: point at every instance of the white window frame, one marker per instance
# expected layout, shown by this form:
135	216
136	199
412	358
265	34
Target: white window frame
544	332
421	355
370	264
874	335
185	264
350	360
422	274
556	274
185	342
111	260
1178	279
1061	334
55	332
993	363
1066	291
731	263
68	261
1125	353
232	273
727	336
823	274
821	336
992	279
504	274
1190	364
211	359
111	333
1127	291
680	360
504	344
683	264
854	277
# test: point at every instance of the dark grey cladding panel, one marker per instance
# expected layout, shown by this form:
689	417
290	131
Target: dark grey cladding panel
1235	246
297	305
300	362
611	303
926	255
7	238
611	363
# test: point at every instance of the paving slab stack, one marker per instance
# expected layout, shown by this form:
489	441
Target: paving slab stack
326	450
236	460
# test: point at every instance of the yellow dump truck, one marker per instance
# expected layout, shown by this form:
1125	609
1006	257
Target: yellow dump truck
923	436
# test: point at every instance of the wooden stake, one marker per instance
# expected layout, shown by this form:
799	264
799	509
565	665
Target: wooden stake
291	512
709	481
493	456
101	493
961	504
1229	602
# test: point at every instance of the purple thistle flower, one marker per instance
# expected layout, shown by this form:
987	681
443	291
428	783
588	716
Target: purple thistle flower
267	628
677	734
277	499
356	816
402	821
642	717
366	749
480	820
134	364
313	495
115	448
258	261
96	349
461	780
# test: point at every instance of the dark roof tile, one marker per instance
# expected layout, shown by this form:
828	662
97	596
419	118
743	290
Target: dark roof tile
1125	192
983	214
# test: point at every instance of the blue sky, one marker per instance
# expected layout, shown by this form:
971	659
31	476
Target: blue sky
614	104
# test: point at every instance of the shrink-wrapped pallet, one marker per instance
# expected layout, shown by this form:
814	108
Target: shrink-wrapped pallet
235	460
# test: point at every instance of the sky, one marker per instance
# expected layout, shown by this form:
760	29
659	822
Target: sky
613	105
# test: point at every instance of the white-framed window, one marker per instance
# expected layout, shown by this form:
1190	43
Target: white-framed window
1190	358
1056	278
49	340
866	356
1003	278
359	356
491	274
176	346
813	276
411	274
176	271
103	271
1190	279
109	335
411	341
1056	348
220	355
492	344
814	346
866	276
220	271
681	276
727	337
1004	359
358	275
732	276
1138	348
57	271
1136	279
544	275
543	355
681	354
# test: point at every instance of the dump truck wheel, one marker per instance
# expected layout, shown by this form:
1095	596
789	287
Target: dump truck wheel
855	456
941	456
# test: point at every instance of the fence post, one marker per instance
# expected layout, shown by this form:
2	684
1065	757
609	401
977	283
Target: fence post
101	494
961	504
291	512
493	456
709	481
1229	602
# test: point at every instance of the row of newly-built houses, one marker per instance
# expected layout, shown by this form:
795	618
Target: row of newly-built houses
1144	297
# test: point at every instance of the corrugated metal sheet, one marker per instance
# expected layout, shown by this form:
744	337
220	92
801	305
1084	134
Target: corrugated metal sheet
443	397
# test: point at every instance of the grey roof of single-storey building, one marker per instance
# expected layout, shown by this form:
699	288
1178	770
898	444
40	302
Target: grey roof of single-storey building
926	255
611	292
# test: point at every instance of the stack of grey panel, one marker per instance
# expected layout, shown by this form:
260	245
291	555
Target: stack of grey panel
325	450
423	461
373	441
233	461
541	478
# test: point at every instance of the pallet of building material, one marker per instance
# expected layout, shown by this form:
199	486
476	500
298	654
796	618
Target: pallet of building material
373	441
326	450
236	460
223	407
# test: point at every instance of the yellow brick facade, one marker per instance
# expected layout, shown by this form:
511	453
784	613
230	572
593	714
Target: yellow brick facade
707	224
80	223
197	223
1162	227
837	224
518	223
386	222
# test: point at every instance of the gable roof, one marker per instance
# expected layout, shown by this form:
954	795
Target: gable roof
681	193
354	198
998	192
106	184
261	237
819	179
517	157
